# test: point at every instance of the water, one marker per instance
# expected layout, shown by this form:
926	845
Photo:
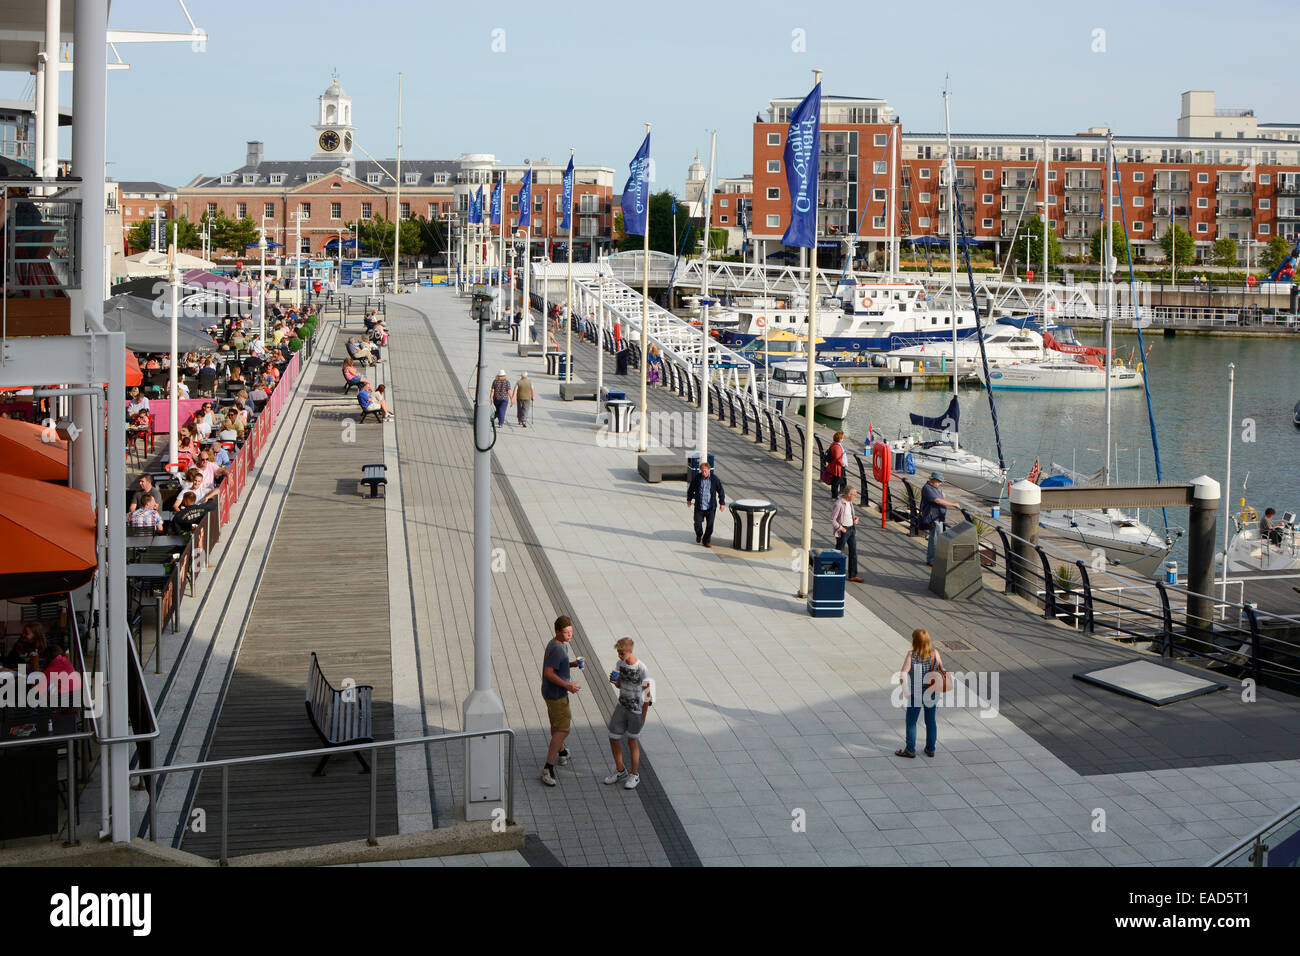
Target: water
1189	395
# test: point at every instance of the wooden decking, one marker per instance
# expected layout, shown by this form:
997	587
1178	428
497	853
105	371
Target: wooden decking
324	589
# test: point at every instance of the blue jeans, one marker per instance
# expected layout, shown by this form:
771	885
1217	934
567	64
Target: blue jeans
501	410
929	548
931	728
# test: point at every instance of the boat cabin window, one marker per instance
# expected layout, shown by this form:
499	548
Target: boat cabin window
826	377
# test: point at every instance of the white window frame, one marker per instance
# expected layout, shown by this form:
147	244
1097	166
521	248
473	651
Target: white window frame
880	139
304	210
1202	177
440	179
374	179
773	192
923	173
880	167
774	165
1263	229
1139	176
877	222
367	212
411	179
877	195
336	205
268	210
988	174
1265	179
924	197
773	220
241	210
1139	201
1202	202
1139	225
986	223
986	199
773	139
228	179
1202	228
1051	175
923	222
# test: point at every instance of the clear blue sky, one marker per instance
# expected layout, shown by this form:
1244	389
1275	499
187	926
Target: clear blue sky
592	79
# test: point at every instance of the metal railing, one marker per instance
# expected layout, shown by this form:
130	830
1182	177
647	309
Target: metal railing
372	749
1253	850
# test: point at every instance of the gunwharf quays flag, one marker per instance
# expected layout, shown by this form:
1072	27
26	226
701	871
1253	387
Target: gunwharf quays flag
476	206
567	200
526	201
496	203
802	152
636	194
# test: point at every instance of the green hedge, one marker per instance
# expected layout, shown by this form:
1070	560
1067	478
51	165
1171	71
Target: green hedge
295	345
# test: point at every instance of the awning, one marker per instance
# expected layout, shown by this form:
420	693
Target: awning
23	452
47	538
197	278
147	331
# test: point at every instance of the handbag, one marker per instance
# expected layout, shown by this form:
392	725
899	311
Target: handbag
827	477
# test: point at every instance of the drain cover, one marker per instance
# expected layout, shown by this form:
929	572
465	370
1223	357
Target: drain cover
956	646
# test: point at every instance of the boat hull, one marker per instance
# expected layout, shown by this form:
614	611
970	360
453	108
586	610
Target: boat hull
1030	378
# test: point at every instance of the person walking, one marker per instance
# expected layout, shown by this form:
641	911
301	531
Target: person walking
934	511
556	688
706	494
500	395
844	523
835	462
922	661
524	394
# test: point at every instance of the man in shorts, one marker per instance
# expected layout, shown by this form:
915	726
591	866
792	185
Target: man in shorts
556	688
628	718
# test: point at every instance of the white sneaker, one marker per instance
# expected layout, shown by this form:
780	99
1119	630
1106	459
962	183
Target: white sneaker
563	758
616	776
548	778
632	780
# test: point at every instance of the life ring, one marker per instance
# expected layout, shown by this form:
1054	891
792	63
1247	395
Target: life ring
867	302
761	322
1249	514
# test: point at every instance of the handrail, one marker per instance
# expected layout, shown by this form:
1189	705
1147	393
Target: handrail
1256	858
373	747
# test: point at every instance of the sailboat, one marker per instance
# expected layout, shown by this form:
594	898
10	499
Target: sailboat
1082	373
962	469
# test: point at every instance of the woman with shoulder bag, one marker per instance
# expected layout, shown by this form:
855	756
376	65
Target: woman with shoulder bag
833	473
923	691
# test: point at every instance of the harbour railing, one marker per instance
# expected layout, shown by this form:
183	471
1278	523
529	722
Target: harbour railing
1254	850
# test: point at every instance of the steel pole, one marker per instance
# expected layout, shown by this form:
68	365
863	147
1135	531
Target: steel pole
805	547
643	433
173	400
1227	478
568	302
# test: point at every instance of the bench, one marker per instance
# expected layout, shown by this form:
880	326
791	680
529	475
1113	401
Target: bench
351	383
654	468
577	390
373	475
372	410
339	717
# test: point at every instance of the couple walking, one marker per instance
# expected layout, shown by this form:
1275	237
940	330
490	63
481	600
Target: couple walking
503	396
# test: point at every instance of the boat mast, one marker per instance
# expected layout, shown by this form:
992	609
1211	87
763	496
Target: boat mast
1047	219
1108	239
952	236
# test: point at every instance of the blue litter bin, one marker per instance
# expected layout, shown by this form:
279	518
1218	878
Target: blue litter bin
828	570
562	365
693	464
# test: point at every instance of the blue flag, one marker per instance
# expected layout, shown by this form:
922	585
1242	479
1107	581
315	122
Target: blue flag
802	153
566	199
636	193
526	200
476	206
744	222
496	202
674	207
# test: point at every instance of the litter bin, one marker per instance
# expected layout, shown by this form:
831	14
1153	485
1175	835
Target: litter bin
620	415
608	394
829	570
552	361
693	465
621	361
562	366
752	524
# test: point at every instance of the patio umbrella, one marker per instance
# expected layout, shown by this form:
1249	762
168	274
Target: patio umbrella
133	374
24	452
928	241
47	538
148	330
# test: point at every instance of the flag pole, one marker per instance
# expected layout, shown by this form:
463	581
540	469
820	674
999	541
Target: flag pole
568	300
644	431
806	539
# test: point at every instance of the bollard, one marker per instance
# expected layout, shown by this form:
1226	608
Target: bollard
1026	497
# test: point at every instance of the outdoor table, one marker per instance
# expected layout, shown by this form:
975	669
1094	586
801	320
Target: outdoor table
144	542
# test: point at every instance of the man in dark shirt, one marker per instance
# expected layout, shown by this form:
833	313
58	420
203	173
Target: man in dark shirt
934	511
706	493
556	688
1269	529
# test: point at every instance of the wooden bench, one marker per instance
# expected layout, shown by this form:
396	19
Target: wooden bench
340	717
655	467
373	475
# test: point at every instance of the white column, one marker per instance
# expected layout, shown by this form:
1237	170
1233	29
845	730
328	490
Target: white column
38	110
50	102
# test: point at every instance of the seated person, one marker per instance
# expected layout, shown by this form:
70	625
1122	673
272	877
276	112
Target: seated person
221	457
203	421
146	516
140	420
188	514
207	463
382	399
242	411
182	390
194	483
62	675
137	401
257	396
350	373
232	428
366	399
236	375
207	375
145	485
362	351
1269	529
30	651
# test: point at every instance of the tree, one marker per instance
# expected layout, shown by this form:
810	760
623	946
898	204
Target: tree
1185	248
433	241
140	236
232	235
1033	230
1119	244
661	225
1271	256
1225	252
376	236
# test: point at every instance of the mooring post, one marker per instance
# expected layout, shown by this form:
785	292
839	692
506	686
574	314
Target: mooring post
1200	553
1026	497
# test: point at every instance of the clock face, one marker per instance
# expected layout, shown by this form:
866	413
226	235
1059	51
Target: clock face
347	142
329	141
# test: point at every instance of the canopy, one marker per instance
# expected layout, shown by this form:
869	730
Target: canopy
946	422
150	332
153	263
210	281
133	374
347	243
269	245
23	452
928	241
47	538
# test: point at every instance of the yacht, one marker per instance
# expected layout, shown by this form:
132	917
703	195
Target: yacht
961	468
787	388
1058	375
1002	343
862	316
1249	551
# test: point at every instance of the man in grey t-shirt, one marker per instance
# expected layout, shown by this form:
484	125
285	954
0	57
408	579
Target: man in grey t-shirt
556	688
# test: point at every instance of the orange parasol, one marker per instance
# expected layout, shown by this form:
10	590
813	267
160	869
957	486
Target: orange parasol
47	538
23	452
133	374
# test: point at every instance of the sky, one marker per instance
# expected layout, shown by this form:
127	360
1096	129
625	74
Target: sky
532	80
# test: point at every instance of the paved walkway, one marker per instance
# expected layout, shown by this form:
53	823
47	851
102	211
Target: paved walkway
766	717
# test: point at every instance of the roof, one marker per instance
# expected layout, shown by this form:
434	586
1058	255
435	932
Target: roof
295	172
147	186
1094	139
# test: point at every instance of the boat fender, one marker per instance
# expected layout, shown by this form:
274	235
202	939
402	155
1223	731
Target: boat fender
909	465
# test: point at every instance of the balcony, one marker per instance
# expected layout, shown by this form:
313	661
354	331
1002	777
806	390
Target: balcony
1180	212
1244	189
834	175
1082	185
1292	213
1234	212
1015	209
833	203
1288	189
1019	184
1171	185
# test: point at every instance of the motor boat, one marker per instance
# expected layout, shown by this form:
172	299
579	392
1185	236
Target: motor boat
1075	368
1249	550
1002	344
1295	415
787	388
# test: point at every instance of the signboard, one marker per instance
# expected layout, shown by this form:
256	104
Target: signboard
358	271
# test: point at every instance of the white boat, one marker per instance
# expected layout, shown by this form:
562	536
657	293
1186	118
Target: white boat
788	389
1126	541
1058	375
1002	343
961	468
1248	550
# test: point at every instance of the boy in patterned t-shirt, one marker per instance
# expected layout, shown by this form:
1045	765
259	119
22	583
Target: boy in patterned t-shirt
633	681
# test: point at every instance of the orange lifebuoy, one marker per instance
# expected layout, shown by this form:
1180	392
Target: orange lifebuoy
761	322
867	302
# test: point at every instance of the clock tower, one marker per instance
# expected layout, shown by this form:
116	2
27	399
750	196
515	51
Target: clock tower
334	127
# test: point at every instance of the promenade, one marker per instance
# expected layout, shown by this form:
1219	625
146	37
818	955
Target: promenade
773	734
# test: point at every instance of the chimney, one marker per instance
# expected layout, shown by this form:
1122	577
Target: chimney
254	157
